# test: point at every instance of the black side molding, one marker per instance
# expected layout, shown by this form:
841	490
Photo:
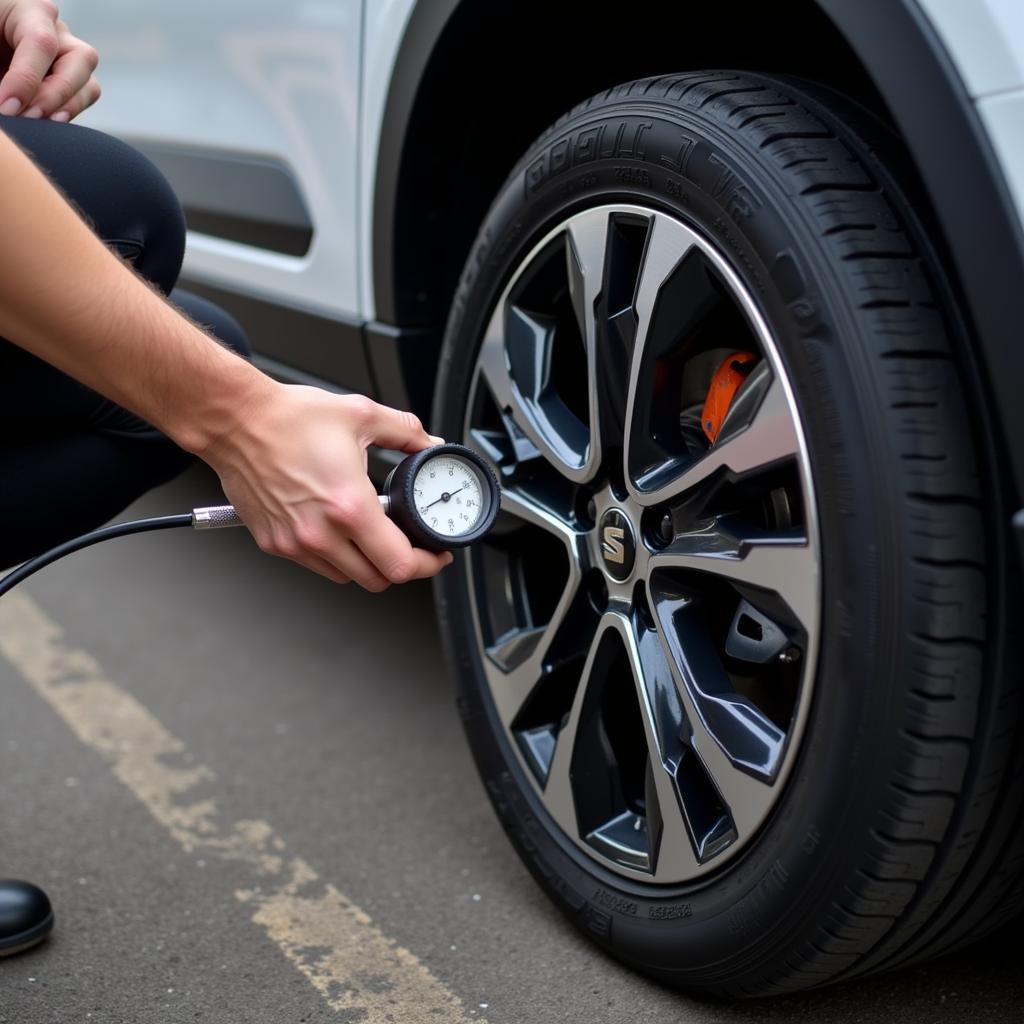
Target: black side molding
316	345
403	362
244	198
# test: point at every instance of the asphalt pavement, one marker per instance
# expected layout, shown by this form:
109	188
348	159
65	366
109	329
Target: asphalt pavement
245	788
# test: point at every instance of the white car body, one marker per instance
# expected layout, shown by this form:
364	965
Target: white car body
985	40
261	78
308	81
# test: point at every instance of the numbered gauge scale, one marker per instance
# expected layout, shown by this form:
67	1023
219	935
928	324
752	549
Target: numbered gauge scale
441	498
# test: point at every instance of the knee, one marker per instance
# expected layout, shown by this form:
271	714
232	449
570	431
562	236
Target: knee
120	192
151	233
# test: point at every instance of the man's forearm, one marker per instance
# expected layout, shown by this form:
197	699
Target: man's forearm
66	298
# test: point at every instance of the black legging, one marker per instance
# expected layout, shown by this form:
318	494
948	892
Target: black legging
69	458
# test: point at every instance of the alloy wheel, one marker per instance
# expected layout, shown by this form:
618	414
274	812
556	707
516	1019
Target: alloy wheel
647	607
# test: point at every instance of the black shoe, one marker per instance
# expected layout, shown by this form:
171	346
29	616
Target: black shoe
26	916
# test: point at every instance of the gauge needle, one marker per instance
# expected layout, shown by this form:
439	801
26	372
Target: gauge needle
444	497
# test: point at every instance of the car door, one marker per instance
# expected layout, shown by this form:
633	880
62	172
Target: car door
251	109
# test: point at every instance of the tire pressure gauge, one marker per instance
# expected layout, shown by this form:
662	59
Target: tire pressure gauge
443	497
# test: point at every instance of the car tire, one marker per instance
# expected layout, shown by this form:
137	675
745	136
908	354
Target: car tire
889	829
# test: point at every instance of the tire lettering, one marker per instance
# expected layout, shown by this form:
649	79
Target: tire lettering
584	147
567	188
734	196
632	175
670	913
677	190
681	159
616	903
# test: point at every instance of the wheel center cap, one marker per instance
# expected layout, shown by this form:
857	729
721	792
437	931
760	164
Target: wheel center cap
618	544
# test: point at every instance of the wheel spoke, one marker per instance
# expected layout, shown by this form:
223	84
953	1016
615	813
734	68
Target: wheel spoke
664	724
780	563
586	256
737	745
663	316
504	447
668	243
518	660
523	410
558	794
516	359
746	798
539	511
768	437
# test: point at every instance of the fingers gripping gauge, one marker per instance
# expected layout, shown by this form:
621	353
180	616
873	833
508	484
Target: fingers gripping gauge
440	498
443	497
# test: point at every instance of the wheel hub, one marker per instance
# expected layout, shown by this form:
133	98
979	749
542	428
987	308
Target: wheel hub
618	544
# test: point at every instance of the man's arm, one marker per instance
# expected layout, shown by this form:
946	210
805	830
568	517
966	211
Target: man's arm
291	459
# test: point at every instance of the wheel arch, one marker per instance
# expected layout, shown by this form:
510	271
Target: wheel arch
473	86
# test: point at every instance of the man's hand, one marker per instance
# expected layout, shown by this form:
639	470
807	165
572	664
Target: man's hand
295	469
49	71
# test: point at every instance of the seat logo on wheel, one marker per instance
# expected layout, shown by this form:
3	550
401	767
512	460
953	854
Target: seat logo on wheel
618	545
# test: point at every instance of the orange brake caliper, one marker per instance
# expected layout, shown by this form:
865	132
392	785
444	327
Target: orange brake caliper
726	382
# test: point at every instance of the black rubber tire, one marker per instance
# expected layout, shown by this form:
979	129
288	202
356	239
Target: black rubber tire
898	835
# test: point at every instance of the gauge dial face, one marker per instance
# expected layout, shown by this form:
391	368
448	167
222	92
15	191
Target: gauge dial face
449	495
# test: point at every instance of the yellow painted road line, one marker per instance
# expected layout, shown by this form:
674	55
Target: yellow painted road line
353	965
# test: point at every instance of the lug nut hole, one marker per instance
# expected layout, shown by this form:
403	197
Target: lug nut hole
597	590
658	527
